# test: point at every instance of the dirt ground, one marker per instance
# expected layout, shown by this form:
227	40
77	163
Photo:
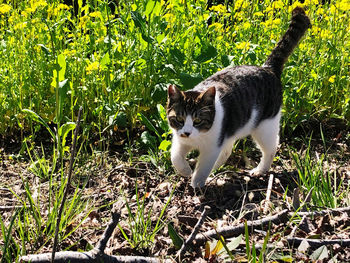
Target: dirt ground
231	193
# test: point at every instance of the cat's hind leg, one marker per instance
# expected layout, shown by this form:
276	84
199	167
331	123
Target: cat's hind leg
178	158
266	136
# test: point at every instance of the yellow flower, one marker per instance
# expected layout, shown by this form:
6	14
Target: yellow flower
218	8
343	5
216	26
20	25
277	5
319	11
4	9
92	67
95	14
311	2
313	74
277	21
243	45
246	25
258	14
294	5
326	34
331	79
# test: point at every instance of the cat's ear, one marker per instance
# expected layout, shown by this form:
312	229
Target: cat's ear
209	95
173	92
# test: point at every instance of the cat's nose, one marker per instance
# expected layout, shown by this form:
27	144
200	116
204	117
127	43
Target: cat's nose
186	134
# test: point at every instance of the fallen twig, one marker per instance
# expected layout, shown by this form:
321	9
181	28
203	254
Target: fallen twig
9	207
95	255
292	233
268	194
322	212
230	231
315	243
191	237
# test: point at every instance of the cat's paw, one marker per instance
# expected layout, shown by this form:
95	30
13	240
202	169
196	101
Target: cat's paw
185	172
257	171
197	183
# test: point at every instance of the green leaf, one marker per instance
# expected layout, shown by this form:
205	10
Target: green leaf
159	92
226	60
45	49
35	117
164	145
148	139
105	60
177	240
189	81
138	20
162	112
149	7
207	53
121	119
148	124
320	253
64	130
62	63
177	56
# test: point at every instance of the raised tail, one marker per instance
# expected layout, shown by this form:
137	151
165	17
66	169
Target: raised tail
299	23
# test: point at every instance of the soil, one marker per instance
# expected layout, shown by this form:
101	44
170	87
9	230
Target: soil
231	193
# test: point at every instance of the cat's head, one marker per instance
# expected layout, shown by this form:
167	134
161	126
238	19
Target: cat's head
191	112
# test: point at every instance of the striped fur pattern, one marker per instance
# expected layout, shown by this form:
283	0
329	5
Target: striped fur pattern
232	104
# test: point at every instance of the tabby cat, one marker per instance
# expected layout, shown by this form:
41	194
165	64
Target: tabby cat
231	104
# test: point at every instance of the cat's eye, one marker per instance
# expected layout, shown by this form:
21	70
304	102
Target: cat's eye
180	119
197	121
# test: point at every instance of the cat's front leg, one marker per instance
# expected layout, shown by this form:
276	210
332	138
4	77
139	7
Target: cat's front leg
178	158
204	166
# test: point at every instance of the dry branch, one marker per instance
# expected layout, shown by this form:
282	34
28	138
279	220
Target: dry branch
86	257
230	231
315	243
191	237
95	255
9	207
323	212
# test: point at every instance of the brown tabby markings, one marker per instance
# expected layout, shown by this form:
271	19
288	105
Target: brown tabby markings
196	104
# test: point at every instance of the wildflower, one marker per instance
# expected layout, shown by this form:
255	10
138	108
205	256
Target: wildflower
216	26
258	14
312	2
276	21
218	8
343	5
169	17
277	5
294	5
326	34
95	14
246	25
319	11
313	74
331	79
243	45
92	67
4	9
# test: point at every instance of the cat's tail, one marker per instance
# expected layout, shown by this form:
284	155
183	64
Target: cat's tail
299	23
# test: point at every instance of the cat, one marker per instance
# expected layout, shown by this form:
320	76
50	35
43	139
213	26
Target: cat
232	104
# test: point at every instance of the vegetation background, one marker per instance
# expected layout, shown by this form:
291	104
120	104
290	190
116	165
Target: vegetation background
116	60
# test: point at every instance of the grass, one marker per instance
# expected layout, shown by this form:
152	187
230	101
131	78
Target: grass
117	65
